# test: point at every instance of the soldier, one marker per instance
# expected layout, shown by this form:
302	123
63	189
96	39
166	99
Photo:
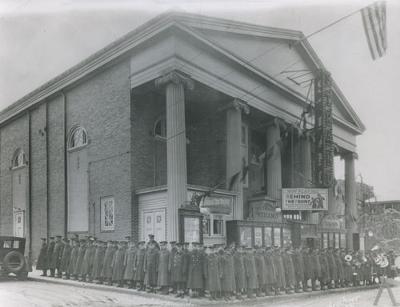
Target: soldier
118	264
308	268
79	259
176	266
270	274
129	274
56	258
151	266
195	280
251	274
106	272
212	269
289	269
260	269
88	260
298	263
316	270
50	250
152	241
340	270
171	259
325	277
240	275
65	258
41	263
139	266
228	285
74	257
98	262
186	260
279	270
163	268
333	270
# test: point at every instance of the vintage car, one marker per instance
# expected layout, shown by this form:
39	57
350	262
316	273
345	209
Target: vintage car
12	259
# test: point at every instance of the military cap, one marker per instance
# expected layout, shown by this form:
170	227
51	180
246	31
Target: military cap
128	237
141	242
179	244
186	243
58	236
195	243
51	237
163	242
44	239
66	240
172	242
151	236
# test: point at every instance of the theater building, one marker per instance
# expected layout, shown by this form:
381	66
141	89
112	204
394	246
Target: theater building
117	144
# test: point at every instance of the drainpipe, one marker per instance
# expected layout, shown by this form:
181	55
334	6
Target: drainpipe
47	173
30	188
65	166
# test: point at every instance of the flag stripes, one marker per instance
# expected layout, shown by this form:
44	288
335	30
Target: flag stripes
374	22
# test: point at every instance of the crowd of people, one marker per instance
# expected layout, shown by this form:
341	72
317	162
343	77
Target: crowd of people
217	271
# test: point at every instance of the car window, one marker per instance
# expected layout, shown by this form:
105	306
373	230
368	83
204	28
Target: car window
16	244
7	244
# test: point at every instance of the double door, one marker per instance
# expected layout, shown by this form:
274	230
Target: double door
154	223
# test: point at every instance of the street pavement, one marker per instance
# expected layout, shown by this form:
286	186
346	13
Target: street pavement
51	292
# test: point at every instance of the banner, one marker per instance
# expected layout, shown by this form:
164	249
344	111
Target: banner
305	199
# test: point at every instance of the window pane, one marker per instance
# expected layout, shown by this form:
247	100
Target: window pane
245	236
218	227
277	236
268	236
258	236
337	238
286	236
206	226
16	244
107	209
324	240
343	240
331	239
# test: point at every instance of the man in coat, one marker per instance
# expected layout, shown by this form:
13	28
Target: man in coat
173	250
261	270
41	263
50	250
298	262
308	268
240	275
279	270
333	270
88	260
289	269
98	261
186	260
79	258
251	273
139	266
118	264
74	257
195	270
129	273
106	273
270	272
227	274
212	269
163	280
151	266
176	267
325	277
152	241
56	258
317	272
65	258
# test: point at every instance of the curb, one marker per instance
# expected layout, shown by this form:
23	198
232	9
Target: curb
202	302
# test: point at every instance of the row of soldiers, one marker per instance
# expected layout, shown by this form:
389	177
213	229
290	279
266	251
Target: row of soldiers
220	270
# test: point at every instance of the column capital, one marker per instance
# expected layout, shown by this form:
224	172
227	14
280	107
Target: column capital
175	77
349	156
237	104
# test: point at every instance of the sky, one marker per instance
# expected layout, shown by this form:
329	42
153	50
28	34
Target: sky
40	39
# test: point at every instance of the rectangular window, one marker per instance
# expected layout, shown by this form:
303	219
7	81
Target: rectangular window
218	226
245	236
277	236
286	236
267	236
206	226
331	240
107	213
337	238
258	236
343	240
324	240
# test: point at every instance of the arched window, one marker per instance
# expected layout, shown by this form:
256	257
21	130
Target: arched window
78	138
160	128
18	158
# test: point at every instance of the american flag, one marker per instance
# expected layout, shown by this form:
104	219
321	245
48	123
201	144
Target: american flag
374	21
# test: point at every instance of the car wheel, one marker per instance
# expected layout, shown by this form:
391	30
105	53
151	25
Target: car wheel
14	262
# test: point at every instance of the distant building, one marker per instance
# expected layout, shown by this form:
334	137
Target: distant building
115	145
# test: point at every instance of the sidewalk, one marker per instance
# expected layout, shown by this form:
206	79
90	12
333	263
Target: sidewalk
35	276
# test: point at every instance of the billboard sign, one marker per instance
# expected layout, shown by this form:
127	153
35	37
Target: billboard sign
305	199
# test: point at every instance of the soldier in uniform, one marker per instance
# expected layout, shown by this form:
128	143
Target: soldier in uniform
65	258
50	250
308	268
298	263
163	280
118	264
176	267
88	260
152	241
270	272
340	270
151	266
228	285
139	266
56	258
74	257
260	269
98	261
240	275
212	269
251	274
195	280
173	250
79	259
279	270
333	270
289	270
129	274
41	263
317	272
325	277
106	273
186	260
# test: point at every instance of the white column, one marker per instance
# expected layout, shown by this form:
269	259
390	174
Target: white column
274	161
350	197
176	147
234	151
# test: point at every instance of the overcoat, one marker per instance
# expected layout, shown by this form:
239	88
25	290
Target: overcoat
139	264
195	270
118	264
98	262
339	265
317	272
270	269
289	269
240	274
41	263
50	250
130	263
56	256
186	260
107	263
79	259
298	264
250	268
176	267
307	265
72	260
261	268
325	277
212	272
151	266
163	268
88	260
279	270
228	273
66	257
333	270
348	270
